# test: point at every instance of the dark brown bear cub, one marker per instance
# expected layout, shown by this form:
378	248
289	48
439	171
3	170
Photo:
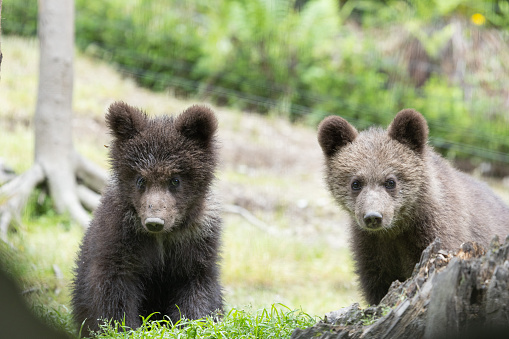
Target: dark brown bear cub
402	195
152	245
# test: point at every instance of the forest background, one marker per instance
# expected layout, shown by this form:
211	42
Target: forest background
364	60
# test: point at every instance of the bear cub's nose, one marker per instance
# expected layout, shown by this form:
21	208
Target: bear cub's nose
373	219
154	224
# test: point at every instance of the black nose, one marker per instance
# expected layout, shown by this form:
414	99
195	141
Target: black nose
373	219
154	224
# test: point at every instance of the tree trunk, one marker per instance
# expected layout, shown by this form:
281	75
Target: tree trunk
450	295
53	115
56	161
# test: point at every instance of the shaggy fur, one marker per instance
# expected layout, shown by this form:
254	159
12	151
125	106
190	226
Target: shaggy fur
153	243
402	195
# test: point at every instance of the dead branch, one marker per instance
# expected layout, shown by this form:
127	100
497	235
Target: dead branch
235	209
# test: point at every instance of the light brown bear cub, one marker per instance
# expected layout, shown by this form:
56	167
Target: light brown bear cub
402	195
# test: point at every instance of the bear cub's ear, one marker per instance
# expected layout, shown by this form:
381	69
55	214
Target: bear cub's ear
125	121
197	123
410	128
333	133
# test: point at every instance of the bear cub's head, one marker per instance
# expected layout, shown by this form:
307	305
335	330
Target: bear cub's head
376	175
163	167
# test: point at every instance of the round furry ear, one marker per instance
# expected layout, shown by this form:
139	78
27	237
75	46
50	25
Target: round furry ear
125	121
333	133
410	128
197	123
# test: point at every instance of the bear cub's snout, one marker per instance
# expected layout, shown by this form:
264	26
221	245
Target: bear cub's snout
154	224
373	220
157	208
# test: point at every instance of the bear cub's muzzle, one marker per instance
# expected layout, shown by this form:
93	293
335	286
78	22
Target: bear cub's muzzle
154	224
373	220
158	211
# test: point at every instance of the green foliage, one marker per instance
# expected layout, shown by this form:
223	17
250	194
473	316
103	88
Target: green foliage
397	11
155	41
19	17
277	322
305	63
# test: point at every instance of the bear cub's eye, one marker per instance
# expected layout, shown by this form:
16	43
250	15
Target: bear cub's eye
390	184
356	185
140	182
174	182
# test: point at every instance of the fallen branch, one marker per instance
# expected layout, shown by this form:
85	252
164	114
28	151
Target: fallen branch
235	209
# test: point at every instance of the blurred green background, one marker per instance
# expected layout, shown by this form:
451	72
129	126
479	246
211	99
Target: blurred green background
304	59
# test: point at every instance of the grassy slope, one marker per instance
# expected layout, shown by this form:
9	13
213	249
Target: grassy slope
268	166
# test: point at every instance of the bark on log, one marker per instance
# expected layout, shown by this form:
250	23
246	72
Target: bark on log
449	295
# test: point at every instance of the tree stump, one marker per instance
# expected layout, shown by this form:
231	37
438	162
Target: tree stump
449	295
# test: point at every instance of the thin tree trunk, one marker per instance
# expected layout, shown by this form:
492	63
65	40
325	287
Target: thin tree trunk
56	161
53	117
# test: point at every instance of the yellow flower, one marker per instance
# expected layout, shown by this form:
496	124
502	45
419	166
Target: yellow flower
478	19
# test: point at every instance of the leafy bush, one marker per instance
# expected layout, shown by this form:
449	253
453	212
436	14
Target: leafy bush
304	63
19	17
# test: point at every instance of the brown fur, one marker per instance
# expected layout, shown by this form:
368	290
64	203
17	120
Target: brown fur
401	196
153	243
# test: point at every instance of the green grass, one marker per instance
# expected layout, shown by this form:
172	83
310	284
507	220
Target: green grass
45	245
259	269
278	321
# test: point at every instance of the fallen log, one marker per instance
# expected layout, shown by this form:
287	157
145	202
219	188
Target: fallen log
449	295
